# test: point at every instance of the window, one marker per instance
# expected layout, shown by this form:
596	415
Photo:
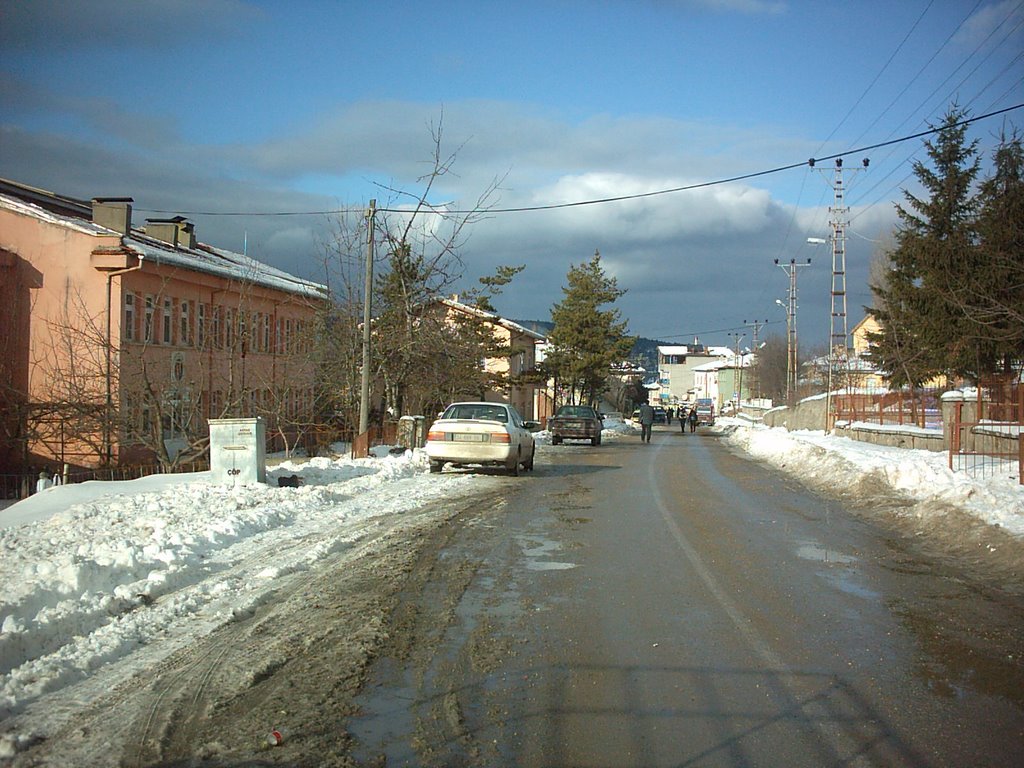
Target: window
217	343
201	325
229	328
147	332
129	317
243	332
287	336
266	333
168	328
185	332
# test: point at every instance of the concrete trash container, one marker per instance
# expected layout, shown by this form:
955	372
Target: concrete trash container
238	451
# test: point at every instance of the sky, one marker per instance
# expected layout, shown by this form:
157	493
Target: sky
311	109
104	580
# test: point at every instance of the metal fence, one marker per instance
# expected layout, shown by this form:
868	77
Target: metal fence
385	434
17	486
985	434
918	408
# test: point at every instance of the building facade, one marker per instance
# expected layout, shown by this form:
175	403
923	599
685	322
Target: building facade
124	341
677	368
531	400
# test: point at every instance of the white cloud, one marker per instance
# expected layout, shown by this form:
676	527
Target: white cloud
1005	15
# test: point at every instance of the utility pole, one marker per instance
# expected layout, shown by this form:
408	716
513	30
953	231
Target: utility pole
792	366
738	377
838	353
756	327
364	389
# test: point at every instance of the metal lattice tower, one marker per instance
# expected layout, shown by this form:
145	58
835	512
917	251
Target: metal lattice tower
792	354
839	331
839	350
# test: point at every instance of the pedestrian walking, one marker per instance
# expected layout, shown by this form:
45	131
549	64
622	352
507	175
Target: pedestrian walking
646	422
682	419
693	419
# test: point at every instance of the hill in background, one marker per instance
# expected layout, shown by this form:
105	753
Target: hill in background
644	352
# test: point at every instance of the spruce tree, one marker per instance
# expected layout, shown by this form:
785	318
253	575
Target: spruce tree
992	292
924	334
586	339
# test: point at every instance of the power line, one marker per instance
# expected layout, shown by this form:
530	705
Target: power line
598	201
880	73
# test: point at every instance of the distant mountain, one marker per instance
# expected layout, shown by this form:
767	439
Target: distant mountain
645	351
537	326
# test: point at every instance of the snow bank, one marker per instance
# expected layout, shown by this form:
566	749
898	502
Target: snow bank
84	559
845	464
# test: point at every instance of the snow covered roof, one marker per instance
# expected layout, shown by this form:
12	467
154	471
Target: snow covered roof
698	350
492	317
732	361
202	258
234	266
25	208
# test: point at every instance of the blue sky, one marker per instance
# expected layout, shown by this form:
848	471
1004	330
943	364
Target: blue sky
229	106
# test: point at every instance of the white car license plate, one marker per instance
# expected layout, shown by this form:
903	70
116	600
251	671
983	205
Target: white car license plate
467	437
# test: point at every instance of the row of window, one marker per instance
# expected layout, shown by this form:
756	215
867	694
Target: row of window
182	323
181	413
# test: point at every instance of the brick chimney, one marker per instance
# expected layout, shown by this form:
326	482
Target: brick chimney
113	213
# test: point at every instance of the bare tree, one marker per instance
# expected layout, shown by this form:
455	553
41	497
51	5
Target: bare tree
415	346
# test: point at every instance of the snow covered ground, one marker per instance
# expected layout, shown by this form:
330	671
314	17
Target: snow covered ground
128	572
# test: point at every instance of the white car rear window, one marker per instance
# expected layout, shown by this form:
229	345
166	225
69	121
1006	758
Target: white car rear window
478	412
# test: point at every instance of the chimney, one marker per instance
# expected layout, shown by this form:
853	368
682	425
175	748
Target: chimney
113	213
176	232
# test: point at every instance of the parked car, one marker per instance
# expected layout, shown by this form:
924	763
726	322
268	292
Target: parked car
575	422
478	433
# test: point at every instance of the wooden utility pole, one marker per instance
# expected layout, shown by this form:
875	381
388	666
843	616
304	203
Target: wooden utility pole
364	389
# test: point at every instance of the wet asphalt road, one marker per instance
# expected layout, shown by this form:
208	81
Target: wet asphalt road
672	604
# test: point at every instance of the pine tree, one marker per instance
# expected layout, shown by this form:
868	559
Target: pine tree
586	339
924	334
992	292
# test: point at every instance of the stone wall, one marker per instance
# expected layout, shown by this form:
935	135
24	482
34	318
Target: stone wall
810	414
807	414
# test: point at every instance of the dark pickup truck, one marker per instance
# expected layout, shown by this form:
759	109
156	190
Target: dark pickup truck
575	422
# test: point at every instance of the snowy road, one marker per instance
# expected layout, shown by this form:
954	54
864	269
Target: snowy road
623	605
672	604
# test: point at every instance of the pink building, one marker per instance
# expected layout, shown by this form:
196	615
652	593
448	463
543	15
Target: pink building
118	343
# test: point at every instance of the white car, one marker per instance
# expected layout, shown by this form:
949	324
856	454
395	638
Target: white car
481	433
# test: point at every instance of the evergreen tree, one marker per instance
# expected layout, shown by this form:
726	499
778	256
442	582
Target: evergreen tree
924	334
586	339
991	294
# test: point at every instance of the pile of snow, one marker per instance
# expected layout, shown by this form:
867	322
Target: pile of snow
845	464
80	561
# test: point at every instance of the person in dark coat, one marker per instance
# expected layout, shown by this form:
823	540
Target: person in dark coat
646	422
682	419
693	419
